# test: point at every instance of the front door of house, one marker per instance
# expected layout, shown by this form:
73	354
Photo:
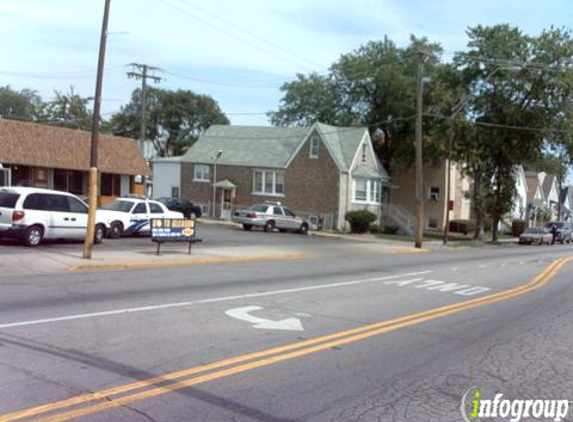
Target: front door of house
226	197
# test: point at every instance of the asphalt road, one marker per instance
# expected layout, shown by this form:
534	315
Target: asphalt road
350	335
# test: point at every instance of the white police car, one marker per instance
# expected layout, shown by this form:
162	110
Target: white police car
132	215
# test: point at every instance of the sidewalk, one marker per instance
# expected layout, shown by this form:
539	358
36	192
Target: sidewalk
36	263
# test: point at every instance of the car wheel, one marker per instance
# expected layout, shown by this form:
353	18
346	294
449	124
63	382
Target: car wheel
303	229
99	234
115	230
247	227
33	236
269	226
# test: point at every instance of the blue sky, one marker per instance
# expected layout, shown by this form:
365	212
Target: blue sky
239	52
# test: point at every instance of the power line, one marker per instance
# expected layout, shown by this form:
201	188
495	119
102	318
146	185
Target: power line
502	126
510	63
252	84
219	29
270	43
59	75
344	129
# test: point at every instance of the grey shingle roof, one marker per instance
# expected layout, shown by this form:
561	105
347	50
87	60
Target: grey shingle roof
257	146
370	173
263	146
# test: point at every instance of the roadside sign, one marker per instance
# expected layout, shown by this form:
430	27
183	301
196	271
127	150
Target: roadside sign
173	230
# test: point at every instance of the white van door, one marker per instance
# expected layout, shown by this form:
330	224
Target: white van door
78	218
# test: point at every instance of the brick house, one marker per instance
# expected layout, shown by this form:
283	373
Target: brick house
320	171
58	158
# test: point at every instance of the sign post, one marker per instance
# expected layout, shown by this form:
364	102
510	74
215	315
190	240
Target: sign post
173	230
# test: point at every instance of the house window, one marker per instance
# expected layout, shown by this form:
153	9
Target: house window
368	191
364	152
432	223
361	190
202	173
266	182
314	147
280	183
434	194
110	184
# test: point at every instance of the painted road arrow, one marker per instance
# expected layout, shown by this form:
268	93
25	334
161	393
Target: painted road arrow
293	324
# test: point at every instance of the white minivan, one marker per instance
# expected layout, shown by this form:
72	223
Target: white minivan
33	214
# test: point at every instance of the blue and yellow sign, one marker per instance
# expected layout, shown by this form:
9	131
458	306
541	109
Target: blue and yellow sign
172	229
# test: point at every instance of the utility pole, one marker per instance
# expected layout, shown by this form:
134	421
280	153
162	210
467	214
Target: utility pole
93	174
419	160
142	72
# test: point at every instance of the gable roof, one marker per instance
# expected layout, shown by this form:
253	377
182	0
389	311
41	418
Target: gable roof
548	183
33	144
343	142
533	185
271	146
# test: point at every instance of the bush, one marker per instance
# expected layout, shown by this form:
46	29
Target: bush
462	226
378	229
518	227
360	220
391	229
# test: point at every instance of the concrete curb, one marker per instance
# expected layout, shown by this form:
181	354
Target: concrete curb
182	262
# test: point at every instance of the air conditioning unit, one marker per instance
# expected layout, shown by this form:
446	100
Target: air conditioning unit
434	196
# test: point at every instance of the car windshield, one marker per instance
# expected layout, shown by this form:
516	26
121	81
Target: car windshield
533	231
558	225
259	208
118	205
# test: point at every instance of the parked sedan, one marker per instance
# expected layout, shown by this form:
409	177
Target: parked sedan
184	206
535	235
270	217
132	216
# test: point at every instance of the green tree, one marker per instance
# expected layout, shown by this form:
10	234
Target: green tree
69	110
505	98
25	104
374	84
174	119
306	100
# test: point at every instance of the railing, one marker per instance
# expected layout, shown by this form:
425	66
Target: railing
400	216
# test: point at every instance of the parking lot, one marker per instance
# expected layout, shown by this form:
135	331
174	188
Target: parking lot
212	235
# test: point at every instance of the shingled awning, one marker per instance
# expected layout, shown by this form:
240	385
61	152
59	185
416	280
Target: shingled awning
32	144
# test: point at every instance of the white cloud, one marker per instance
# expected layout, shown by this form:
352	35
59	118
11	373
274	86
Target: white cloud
60	37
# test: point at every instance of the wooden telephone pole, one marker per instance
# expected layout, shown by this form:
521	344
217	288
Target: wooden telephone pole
419	159
142	72
93	175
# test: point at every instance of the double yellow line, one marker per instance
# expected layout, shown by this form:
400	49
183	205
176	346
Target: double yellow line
122	395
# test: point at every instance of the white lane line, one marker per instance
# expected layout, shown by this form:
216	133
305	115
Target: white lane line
218	299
